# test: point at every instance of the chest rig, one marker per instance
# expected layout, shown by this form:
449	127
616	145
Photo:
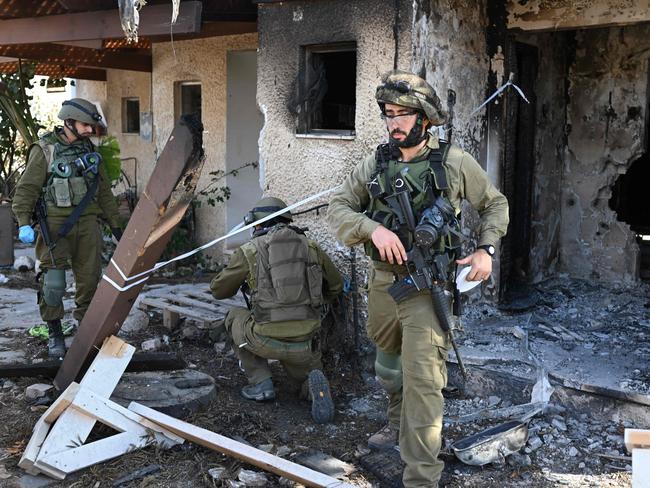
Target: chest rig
423	186
70	172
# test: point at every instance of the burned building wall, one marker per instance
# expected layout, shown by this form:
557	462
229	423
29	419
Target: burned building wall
606	123
554	55
450	50
295	165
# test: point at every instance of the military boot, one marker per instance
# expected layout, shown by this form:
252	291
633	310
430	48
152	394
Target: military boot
260	392
322	406
385	438
55	342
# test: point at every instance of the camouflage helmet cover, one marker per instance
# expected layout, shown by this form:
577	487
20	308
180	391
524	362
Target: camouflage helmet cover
266	206
409	90
81	110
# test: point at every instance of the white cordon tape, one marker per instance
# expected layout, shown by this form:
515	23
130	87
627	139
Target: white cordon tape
236	230
496	93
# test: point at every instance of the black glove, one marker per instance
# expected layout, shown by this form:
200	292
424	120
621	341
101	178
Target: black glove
117	233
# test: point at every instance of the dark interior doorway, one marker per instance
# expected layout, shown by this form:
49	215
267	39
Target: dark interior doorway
519	167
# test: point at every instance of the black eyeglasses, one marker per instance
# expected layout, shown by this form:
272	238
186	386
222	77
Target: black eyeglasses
400	86
386	116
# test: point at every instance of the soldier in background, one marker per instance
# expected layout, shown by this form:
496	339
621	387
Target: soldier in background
65	171
289	278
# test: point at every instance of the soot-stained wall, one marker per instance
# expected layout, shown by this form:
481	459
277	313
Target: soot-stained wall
608	84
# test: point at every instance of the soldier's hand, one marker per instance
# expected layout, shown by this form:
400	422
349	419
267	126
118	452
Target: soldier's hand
389	246
481	265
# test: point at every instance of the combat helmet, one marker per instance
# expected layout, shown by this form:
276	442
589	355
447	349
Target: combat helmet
82	111
409	90
265	207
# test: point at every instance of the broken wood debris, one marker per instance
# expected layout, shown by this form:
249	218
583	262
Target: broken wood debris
58	448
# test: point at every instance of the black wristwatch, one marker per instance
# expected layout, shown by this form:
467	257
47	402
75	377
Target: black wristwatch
488	248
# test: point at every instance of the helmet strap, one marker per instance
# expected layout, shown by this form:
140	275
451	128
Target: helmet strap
69	123
415	136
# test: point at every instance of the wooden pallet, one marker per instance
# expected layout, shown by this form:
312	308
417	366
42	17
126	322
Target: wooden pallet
194	302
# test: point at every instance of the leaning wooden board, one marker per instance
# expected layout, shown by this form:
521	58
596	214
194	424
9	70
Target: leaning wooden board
230	447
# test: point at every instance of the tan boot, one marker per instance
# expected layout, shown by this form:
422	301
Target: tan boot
385	438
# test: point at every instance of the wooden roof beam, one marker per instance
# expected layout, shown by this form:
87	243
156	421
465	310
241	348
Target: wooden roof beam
59	71
102	24
77	56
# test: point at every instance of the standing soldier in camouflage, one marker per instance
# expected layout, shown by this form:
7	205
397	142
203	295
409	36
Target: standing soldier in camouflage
64	170
289	278
411	344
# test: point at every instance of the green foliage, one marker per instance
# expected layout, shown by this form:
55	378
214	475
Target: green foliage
18	128
109	148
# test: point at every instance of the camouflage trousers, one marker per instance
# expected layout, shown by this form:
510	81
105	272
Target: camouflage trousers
298	356
412	329
80	250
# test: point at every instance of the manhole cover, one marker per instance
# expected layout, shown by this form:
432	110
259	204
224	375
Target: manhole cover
176	393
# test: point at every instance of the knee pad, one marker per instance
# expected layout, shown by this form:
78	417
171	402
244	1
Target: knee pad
388	368
54	287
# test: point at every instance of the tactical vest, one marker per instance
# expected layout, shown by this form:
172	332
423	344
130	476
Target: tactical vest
285	277
426	180
69	191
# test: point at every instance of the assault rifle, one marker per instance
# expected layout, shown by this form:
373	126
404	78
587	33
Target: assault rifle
40	216
427	269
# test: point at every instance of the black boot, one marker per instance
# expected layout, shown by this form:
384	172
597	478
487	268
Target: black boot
56	342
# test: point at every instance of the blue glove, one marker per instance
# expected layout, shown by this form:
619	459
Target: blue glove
26	234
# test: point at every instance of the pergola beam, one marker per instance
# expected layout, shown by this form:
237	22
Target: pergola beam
77	56
102	24
59	71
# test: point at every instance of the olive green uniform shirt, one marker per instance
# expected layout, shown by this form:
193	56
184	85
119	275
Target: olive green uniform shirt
466	180
230	279
34	178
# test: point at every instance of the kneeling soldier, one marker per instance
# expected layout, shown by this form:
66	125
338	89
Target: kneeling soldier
289	278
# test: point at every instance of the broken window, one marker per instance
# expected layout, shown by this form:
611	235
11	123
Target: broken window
325	91
188	98
131	115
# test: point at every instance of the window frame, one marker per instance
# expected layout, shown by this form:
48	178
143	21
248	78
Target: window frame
125	115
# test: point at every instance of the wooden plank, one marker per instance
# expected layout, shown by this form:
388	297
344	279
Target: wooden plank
641	468
225	302
230	447
141	361
637	438
96	452
59	71
102	377
78	56
103	24
210	305
170	319
171	184
43	425
184	311
120	418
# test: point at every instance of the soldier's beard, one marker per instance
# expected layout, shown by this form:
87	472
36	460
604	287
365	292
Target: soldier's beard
415	136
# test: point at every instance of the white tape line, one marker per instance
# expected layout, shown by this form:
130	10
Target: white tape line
496	93
236	230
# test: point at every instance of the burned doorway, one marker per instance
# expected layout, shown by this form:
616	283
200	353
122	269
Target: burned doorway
519	166
244	122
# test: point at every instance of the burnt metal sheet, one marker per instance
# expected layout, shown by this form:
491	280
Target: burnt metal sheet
160	208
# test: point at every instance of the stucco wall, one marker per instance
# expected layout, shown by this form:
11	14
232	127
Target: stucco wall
293	167
201	60
608	96
122	84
